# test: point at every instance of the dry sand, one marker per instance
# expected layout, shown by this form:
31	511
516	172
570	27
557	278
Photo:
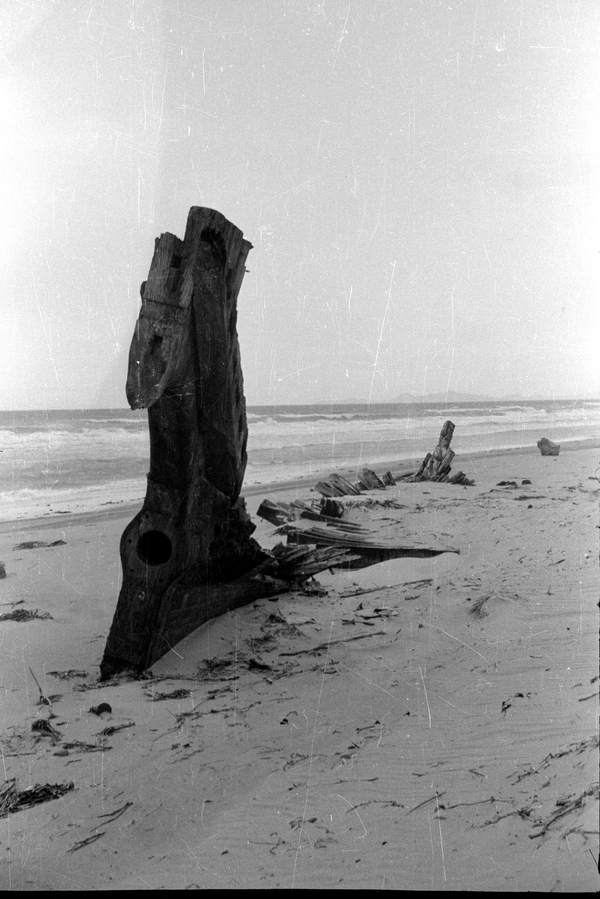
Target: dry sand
436	731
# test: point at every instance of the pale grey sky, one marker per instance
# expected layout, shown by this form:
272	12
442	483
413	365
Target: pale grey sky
420	182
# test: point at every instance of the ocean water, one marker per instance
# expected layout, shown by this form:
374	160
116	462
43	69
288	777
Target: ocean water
67	460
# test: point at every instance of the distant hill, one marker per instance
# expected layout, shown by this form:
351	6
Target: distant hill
449	396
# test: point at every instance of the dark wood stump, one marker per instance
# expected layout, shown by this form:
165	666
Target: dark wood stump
187	554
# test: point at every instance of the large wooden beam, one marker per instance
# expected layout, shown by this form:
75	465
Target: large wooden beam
191	542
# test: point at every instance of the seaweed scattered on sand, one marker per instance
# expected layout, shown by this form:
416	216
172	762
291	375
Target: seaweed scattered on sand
360	592
216	668
88	685
264	643
39	544
182	693
565	807
256	665
436	796
329	643
575	748
117	813
591	696
372	502
14	800
277	626
478	609
87	841
24	615
65	675
44	700
213	669
113	728
43	727
81	746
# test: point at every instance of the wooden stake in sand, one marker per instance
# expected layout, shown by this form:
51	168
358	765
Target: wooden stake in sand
187	553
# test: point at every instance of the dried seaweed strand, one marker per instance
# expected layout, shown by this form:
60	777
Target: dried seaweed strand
576	747
87	841
425	801
478	802
43	700
113	729
591	696
370	590
321	646
112	816
568	807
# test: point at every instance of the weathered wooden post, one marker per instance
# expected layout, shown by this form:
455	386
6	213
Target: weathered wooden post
438	462
186	554
436	466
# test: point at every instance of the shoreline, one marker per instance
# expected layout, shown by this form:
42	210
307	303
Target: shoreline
406	466
274	488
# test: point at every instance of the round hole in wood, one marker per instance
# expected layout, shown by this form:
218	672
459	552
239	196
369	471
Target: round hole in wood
154	548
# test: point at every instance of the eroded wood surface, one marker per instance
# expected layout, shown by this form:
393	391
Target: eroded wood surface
192	538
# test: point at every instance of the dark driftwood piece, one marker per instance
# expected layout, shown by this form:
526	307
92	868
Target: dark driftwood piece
187	555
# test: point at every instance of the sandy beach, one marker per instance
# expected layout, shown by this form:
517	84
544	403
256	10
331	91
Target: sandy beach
428	724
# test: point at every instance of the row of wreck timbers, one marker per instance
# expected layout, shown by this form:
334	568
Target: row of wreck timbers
189	555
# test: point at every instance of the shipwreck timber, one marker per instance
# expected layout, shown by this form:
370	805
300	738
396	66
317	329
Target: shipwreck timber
191	541
188	555
436	466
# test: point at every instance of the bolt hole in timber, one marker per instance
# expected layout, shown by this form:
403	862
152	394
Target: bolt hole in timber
187	551
154	548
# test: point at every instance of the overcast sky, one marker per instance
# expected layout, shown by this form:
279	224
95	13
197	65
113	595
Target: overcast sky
420	182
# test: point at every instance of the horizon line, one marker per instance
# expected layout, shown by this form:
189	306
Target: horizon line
414	399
